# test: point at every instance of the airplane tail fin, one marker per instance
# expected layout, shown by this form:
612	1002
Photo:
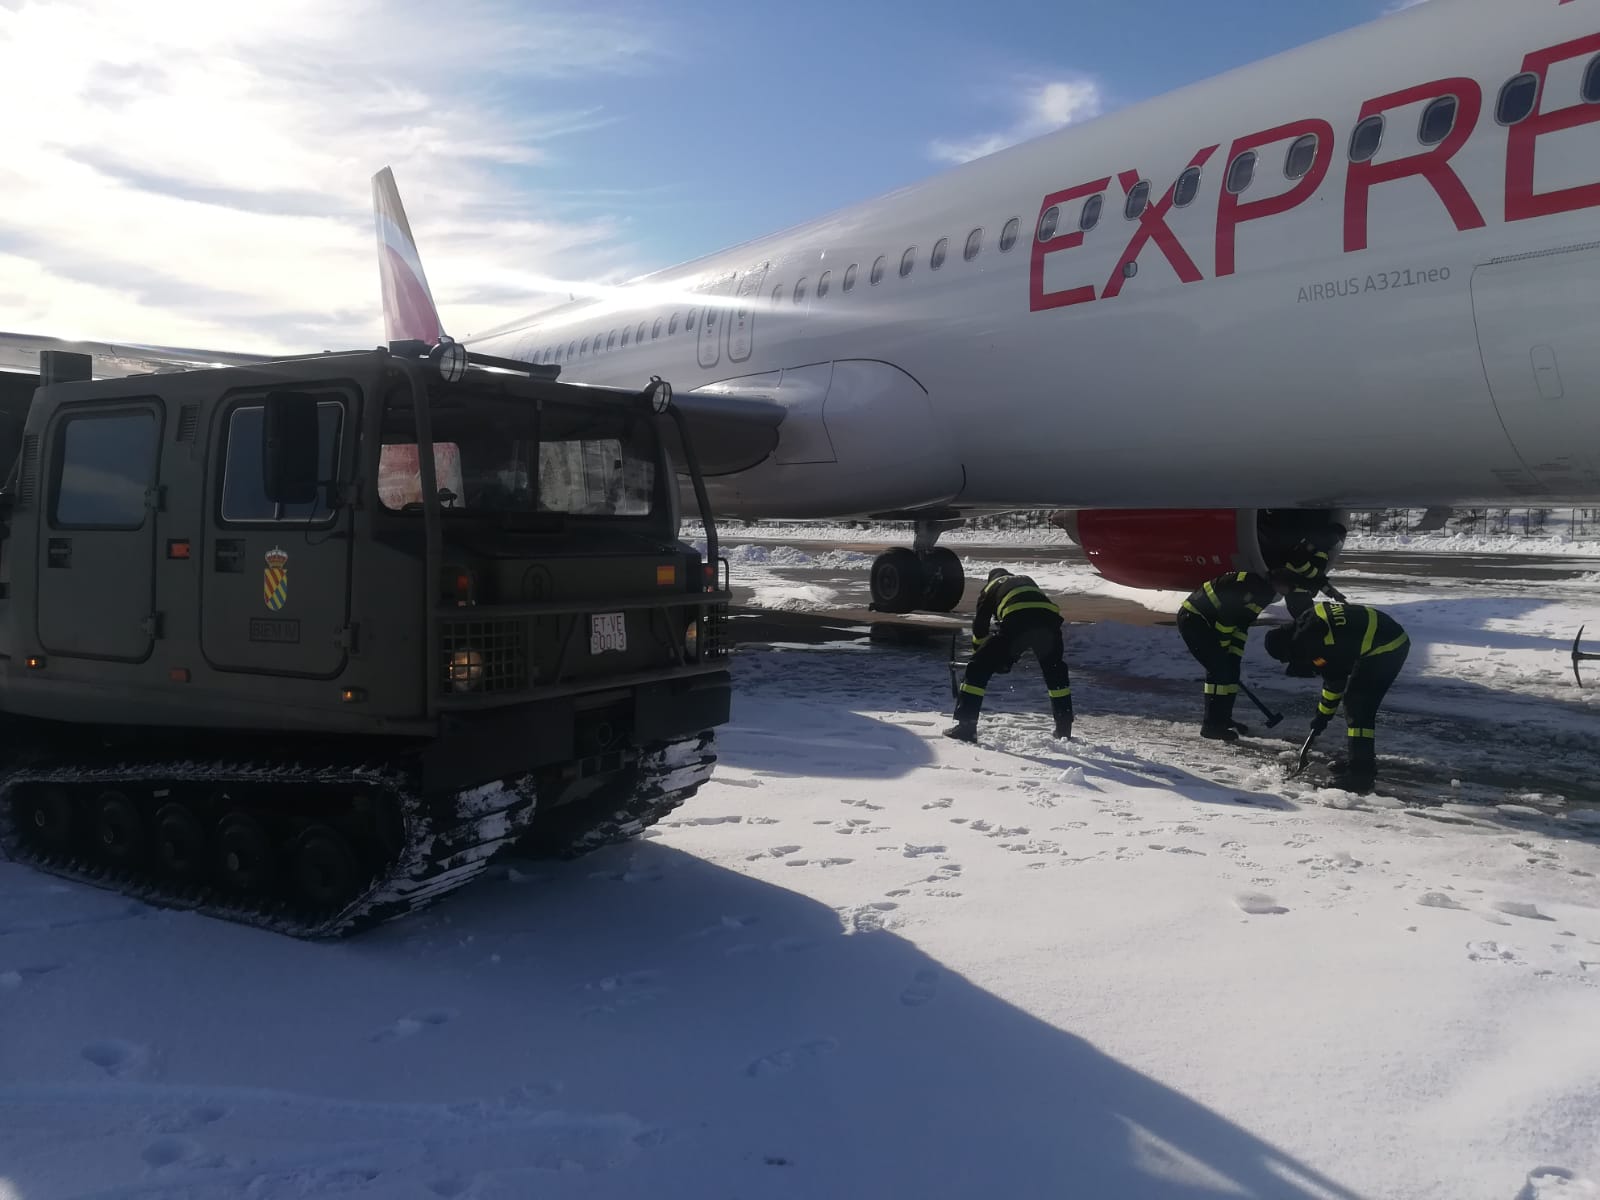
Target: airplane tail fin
408	308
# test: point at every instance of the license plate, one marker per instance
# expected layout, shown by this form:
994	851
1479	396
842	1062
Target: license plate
607	631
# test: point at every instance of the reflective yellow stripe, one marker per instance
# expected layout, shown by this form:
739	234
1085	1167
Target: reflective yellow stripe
1187	607
1362	733
1327	710
1227	689
1211	689
1331	697
1221	628
1211	594
1236	651
1372	632
1013	608
1322	611
1308	569
1255	608
1394	645
978	641
973	691
1060	693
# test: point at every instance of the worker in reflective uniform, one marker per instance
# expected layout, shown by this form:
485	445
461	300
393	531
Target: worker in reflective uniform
1359	652
1215	623
1023	619
1306	567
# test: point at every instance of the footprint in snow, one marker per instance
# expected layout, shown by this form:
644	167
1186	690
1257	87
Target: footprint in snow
781	1062
167	1152
1556	1183
943	802
771	852
1259	904
818	862
922	988
116	1057
912	851
1495	952
410	1027
1440	900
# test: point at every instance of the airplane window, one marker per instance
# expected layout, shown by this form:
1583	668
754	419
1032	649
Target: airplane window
800	291
878	269
940	249
572	349
655	331
625	335
1438	119
583	347
638	334
688	322
777	295
1517	99
1366	139
1048	220
611	340
1187	188
907	261
974	244
1591	81
672	325
1137	200
1242	172
1008	235
711	318
1302	155
1090	216
850	277
824	283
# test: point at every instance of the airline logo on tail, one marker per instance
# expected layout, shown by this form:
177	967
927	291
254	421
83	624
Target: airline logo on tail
408	308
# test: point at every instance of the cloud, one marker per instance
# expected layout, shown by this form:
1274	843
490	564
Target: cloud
196	173
1042	109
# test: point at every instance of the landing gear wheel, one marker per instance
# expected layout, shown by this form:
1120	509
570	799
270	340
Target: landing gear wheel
47	813
897	581
325	868
180	841
944	582
244	854
120	835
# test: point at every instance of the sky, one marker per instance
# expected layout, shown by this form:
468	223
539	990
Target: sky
187	173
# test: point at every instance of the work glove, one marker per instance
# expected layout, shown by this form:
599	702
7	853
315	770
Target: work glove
1319	723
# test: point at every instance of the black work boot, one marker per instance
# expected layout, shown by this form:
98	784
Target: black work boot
1218	723
1361	772
1064	723
964	730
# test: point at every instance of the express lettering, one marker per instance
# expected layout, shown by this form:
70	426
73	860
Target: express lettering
1431	164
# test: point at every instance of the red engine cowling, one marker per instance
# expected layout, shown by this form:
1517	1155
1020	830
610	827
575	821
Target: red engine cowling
1167	549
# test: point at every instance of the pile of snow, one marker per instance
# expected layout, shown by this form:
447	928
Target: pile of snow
1473	543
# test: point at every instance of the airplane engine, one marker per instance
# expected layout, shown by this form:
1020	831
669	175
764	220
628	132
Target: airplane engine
1179	549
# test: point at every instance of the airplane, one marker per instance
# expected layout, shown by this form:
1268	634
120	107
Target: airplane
1353	275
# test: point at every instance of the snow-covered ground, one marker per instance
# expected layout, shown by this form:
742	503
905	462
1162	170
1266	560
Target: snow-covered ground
869	962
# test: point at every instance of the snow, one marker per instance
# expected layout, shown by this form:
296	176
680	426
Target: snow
866	961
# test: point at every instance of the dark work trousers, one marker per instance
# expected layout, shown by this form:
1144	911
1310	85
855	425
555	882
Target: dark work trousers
1002	651
1368	685
1210	648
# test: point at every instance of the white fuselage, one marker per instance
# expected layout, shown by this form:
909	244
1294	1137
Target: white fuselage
1417	329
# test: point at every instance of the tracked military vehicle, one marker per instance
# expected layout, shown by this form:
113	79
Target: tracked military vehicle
305	644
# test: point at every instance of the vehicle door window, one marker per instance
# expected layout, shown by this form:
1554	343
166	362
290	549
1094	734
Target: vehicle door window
105	465
244	498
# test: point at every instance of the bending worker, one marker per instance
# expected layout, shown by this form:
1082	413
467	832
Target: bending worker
1307	565
1359	652
1024	619
1215	623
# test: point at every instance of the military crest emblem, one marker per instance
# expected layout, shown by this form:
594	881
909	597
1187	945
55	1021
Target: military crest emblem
275	580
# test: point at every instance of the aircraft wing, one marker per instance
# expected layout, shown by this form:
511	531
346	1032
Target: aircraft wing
20	352
731	432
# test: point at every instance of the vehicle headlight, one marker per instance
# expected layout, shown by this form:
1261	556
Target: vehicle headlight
466	670
691	639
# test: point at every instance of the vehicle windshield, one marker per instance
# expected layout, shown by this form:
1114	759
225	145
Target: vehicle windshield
503	458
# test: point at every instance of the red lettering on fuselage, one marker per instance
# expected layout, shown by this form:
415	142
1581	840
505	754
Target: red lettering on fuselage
1433	164
1153	227
1231	213
1038	298
1522	202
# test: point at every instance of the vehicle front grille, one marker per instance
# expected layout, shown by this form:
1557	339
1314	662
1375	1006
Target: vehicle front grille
483	657
718	634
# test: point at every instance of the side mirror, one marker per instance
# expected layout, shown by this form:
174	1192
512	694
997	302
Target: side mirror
290	453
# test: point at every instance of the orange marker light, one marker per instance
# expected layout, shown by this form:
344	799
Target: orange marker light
178	674
666	576
36	662
178	548
353	695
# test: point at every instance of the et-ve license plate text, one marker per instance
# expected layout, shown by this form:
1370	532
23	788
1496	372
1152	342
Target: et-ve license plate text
607	631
